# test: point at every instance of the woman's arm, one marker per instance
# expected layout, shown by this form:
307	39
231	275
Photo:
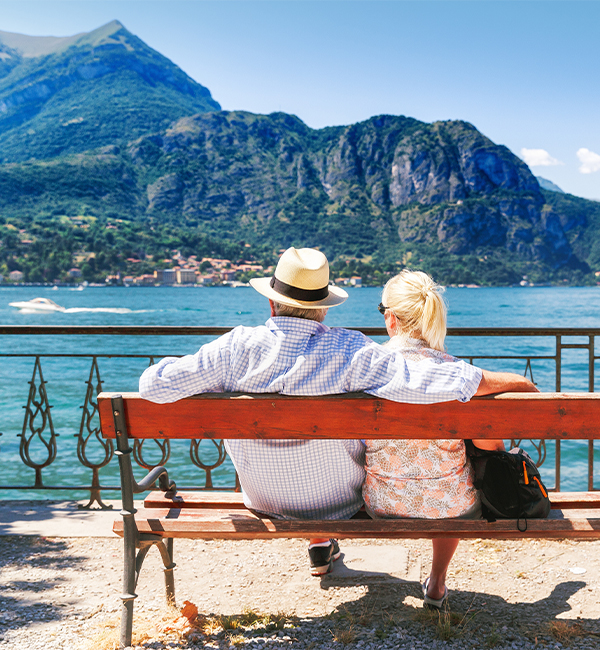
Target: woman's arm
504	382
501	382
490	445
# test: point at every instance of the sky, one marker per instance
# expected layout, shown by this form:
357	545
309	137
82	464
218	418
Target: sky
525	73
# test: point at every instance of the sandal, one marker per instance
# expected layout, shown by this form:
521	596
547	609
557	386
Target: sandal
432	602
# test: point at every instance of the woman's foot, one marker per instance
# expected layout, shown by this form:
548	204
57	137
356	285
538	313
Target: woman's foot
434	597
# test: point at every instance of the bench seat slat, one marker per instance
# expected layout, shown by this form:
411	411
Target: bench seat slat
202	499
213	500
575	499
237	524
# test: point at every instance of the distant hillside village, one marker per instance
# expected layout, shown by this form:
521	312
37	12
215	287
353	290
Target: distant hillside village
206	272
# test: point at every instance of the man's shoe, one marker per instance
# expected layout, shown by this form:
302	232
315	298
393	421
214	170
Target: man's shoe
323	557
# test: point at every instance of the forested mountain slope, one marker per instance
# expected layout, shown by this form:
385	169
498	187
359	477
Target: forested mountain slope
63	95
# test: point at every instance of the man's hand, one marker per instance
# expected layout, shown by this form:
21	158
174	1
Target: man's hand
504	382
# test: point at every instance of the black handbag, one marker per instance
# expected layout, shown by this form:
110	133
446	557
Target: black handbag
509	485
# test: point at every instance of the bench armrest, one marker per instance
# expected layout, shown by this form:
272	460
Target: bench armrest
147	483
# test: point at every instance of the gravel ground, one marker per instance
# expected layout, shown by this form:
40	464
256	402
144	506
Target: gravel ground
62	593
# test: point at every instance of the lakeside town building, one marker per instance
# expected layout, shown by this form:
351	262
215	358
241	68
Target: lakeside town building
165	276
186	276
146	280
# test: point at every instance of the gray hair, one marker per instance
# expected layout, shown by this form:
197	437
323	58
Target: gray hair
299	312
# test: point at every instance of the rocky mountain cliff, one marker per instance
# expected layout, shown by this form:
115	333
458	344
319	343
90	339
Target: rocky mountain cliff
63	95
357	189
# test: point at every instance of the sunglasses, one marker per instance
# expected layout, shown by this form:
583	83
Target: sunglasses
381	309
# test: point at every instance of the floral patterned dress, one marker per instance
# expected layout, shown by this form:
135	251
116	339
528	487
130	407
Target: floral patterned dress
429	479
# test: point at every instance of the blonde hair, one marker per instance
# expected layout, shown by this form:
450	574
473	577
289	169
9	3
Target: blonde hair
298	312
416	301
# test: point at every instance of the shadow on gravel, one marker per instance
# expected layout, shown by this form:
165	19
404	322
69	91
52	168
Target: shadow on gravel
384	618
489	619
18	512
23	562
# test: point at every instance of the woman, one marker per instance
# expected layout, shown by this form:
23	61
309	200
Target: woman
421	478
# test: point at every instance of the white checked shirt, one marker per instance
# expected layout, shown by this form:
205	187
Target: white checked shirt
304	479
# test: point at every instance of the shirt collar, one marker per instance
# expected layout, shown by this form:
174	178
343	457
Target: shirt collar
287	324
401	343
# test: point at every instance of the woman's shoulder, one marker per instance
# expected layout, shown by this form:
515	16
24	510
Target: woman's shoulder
418	349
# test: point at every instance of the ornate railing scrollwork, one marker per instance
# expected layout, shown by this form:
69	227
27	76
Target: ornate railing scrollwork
164	447
36	423
89	432
208	468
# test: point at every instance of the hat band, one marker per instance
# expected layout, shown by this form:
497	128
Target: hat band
307	295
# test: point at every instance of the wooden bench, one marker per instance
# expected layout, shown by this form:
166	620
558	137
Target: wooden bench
222	515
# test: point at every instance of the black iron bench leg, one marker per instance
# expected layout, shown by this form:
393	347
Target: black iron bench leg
169	577
129	577
165	547
132	540
131	573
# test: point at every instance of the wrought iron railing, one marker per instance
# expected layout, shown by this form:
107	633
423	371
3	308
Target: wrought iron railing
38	449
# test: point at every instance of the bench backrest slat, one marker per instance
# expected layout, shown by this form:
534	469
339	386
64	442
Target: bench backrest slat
223	415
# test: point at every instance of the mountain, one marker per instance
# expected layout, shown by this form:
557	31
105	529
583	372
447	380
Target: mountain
66	95
545	184
110	152
580	219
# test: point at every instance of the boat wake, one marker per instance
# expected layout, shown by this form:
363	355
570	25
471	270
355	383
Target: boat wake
44	305
105	310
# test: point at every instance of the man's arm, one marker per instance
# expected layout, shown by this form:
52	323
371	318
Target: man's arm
504	382
172	379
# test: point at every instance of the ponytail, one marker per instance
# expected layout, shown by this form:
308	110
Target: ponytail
417	302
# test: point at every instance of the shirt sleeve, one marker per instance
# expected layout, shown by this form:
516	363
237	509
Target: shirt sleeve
389	375
174	378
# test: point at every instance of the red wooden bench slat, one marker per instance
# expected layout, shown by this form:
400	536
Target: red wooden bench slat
236	524
205	499
566	416
567	500
195	500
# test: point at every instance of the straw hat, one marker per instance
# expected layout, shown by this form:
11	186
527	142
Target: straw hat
301	280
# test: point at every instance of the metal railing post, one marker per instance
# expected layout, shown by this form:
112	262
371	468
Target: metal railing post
591	389
558	384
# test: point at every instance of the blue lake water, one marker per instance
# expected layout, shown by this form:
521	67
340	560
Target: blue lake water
222	306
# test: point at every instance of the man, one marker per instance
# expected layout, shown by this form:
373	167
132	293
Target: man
295	354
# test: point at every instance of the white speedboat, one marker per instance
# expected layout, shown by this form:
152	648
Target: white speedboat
37	305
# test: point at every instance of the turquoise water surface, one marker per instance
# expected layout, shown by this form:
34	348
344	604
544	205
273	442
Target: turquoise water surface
224	306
